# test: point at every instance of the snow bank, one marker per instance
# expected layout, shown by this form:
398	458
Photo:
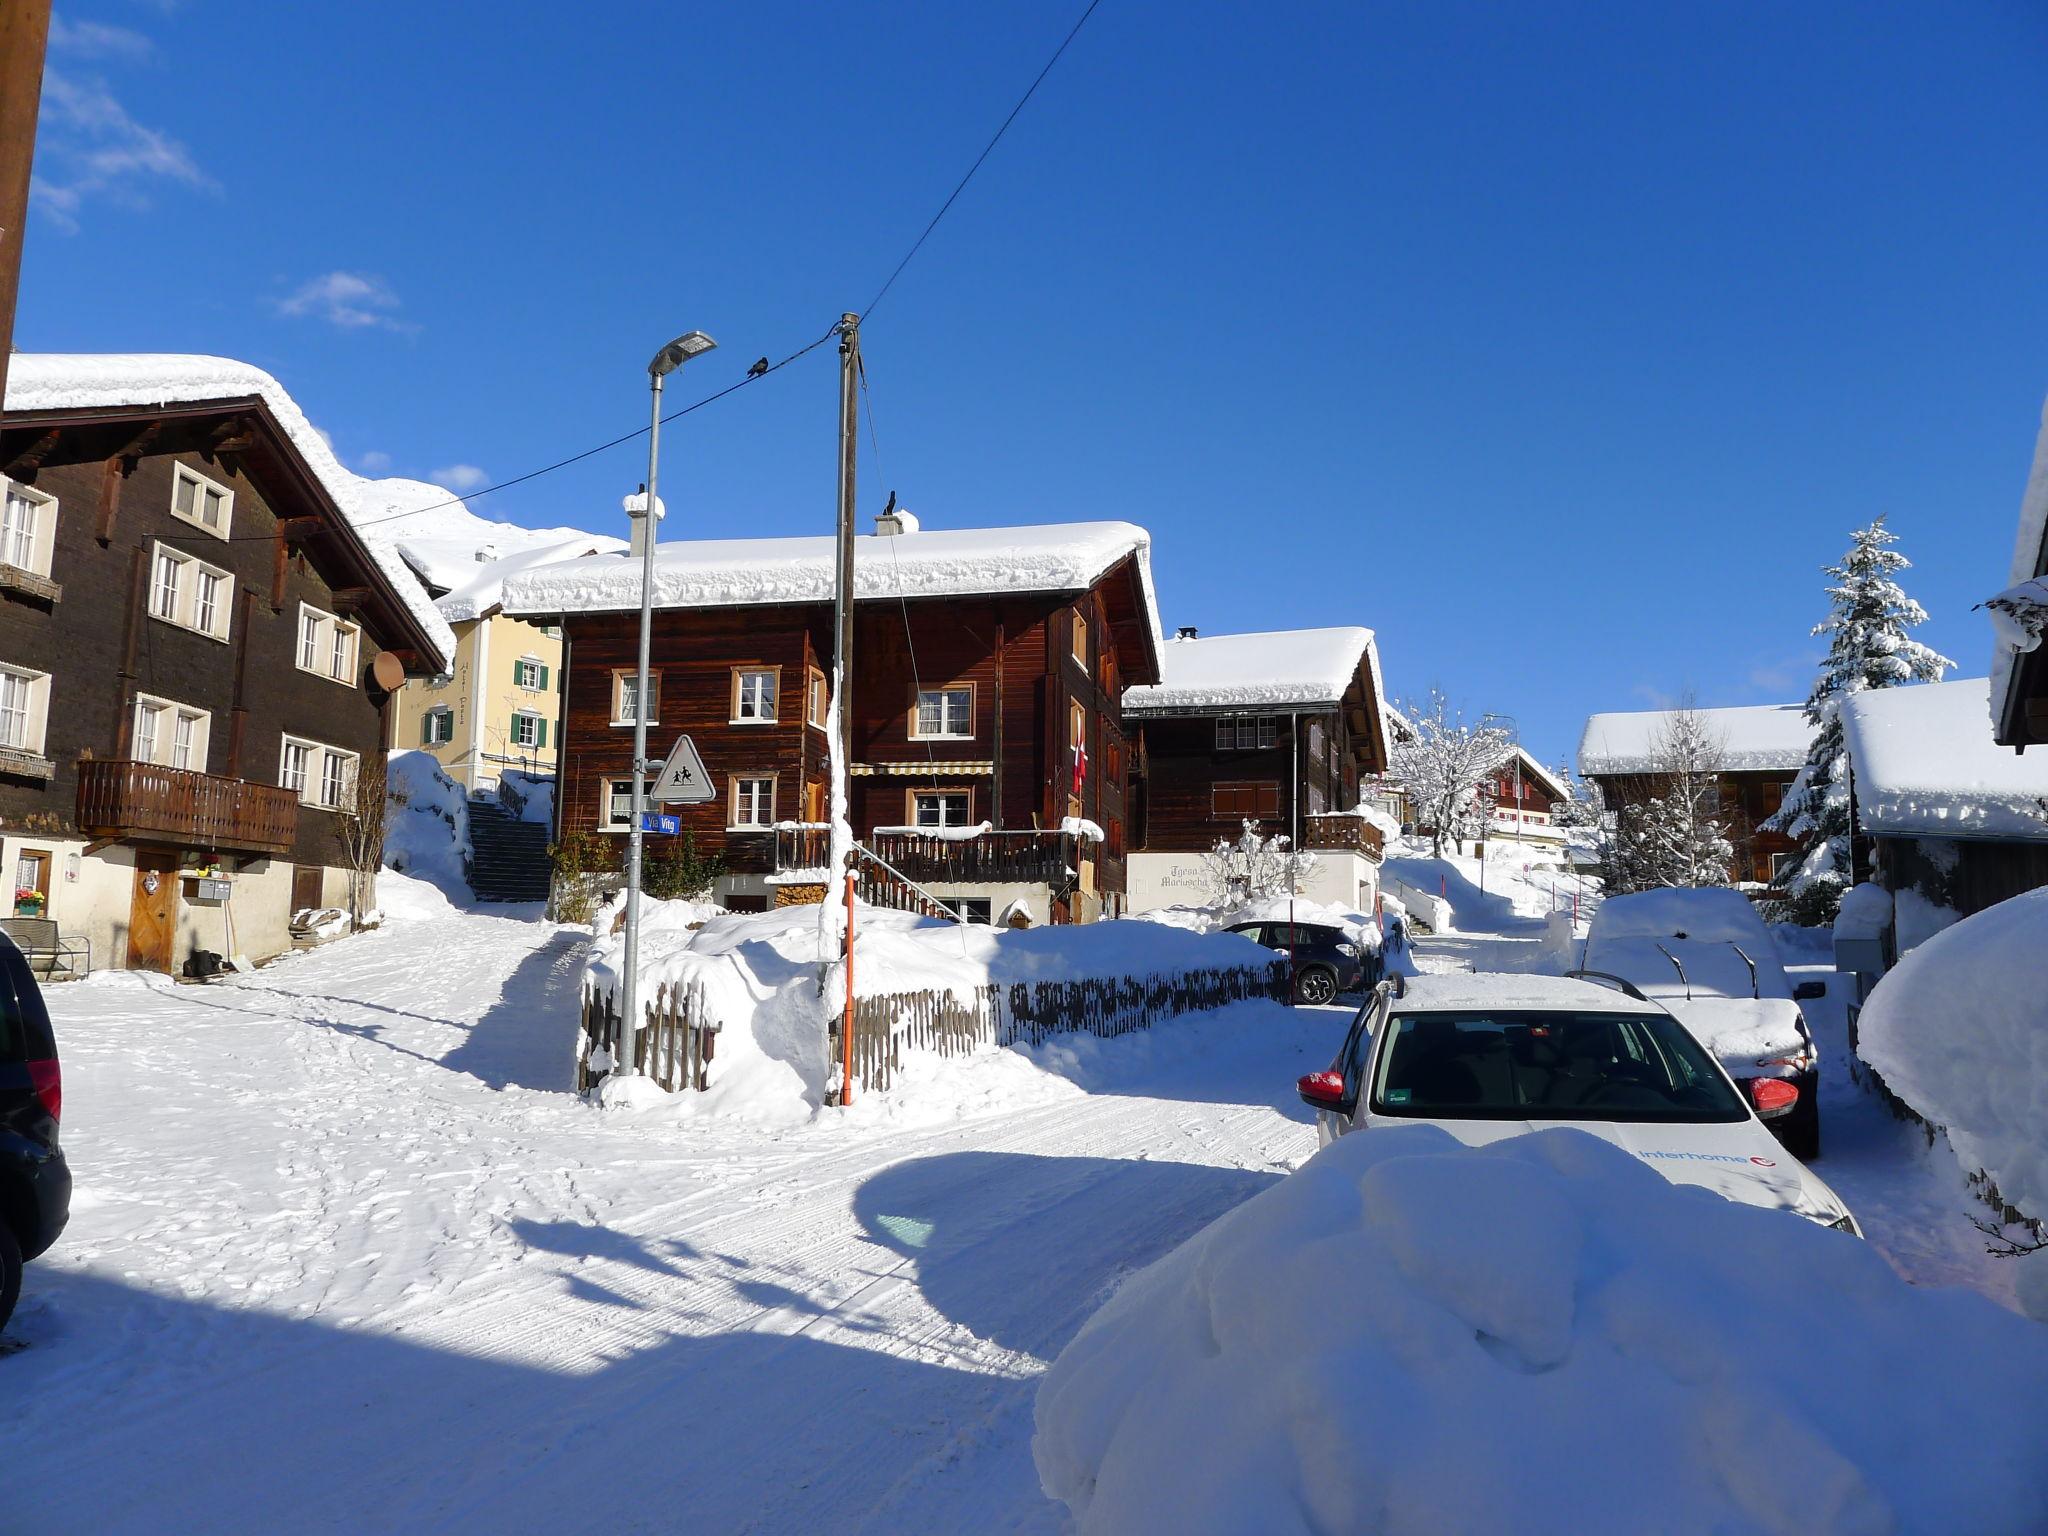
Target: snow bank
1407	1336
1865	913
529	796
1279	668
70	381
1924	765
426	825
1959	1030
1750	737
757	974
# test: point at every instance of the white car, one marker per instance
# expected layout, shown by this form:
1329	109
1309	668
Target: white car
1485	1057
1708	958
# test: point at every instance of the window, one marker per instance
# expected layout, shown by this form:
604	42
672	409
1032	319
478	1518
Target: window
24	709
1258	799
185	591
437	727
820	699
28	526
931	808
1246	733
318	774
615	811
753	802
624	684
529	730
528	673
1081	638
202	502
328	645
753	695
969	909
944	712
169	733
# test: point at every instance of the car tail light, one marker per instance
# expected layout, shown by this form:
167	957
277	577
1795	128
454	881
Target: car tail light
47	1078
1323	1090
1773	1096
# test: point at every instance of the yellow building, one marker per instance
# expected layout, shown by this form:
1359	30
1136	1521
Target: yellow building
498	707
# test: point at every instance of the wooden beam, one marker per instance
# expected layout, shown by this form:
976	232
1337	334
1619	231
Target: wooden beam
296	530
138	443
234	435
280	568
352	599
113	474
23	465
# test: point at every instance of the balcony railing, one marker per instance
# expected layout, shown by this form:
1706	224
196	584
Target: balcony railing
1335	832
1019	858
177	805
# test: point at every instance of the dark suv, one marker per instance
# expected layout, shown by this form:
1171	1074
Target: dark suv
35	1184
1325	961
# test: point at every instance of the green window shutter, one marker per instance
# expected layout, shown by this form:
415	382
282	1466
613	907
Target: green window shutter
427	729
543	679
540	733
516	665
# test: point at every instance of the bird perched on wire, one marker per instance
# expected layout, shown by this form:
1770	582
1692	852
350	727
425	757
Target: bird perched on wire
760	367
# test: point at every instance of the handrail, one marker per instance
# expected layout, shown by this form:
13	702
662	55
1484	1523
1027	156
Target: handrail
933	906
1682	981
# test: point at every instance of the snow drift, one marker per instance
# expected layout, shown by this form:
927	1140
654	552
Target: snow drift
426	824
1407	1336
1959	1030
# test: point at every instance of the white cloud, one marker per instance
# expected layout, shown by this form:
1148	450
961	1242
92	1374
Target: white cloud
97	40
460	478
88	146
351	300
375	462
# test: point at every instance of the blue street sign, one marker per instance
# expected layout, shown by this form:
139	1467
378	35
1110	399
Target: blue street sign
654	821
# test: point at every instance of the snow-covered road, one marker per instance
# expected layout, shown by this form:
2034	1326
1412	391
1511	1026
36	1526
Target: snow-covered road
347	1255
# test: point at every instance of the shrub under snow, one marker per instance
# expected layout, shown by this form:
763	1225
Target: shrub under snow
426	828
1959	1030
1542	1335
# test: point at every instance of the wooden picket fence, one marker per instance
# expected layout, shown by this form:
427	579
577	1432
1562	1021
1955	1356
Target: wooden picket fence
888	1026
674	1046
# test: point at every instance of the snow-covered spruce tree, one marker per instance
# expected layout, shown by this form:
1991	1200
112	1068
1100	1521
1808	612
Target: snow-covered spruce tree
1868	647
1252	868
1447	769
1583	807
1675	835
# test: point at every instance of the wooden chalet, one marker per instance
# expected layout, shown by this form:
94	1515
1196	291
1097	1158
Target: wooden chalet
1760	749
990	757
1282	729
197	650
1525	798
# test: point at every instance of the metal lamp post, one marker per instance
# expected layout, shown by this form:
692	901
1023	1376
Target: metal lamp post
1514	730
665	362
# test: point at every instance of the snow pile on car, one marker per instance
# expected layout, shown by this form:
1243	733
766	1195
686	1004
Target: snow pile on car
1959	1031
426	824
1540	1335
758	975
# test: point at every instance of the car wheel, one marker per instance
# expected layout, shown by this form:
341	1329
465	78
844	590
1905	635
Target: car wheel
1315	986
10	1273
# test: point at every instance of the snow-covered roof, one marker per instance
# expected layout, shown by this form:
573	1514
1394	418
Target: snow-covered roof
1277	669
445	543
57	381
948	562
2029	559
484	590
1753	738
1924	766
1531	769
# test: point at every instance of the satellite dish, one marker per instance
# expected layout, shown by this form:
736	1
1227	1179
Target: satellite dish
388	670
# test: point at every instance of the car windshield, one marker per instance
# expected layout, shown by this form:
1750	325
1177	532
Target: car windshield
1528	1065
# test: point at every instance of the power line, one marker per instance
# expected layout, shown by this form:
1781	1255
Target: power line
989	147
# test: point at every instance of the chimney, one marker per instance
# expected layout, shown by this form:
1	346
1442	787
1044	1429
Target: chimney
1186	632
643	528
894	521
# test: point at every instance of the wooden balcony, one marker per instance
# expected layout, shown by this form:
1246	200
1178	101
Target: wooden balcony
152	803
1343	834
993	858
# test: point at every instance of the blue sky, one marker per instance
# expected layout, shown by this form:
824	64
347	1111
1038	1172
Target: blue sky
1560	344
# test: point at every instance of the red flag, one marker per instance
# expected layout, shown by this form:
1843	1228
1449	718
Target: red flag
1080	765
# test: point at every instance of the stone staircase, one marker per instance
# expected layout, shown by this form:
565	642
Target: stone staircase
508	857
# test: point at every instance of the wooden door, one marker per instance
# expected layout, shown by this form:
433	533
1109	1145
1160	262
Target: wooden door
307	883
153	915
814	801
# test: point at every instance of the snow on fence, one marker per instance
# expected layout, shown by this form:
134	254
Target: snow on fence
888	1025
673	1047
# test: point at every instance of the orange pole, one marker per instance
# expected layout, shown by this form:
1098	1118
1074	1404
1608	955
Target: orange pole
846	1022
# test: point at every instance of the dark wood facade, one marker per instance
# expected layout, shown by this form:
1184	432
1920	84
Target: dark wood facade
1748	798
90	629
1044	671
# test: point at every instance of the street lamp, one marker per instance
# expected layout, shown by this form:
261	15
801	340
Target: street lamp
666	361
1514	729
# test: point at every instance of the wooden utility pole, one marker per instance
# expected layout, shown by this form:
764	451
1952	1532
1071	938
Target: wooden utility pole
24	34
842	689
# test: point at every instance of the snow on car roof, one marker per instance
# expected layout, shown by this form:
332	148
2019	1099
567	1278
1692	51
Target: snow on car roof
56	381
952	562
1752	737
1274	668
1500	990
1925	765
1711	913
